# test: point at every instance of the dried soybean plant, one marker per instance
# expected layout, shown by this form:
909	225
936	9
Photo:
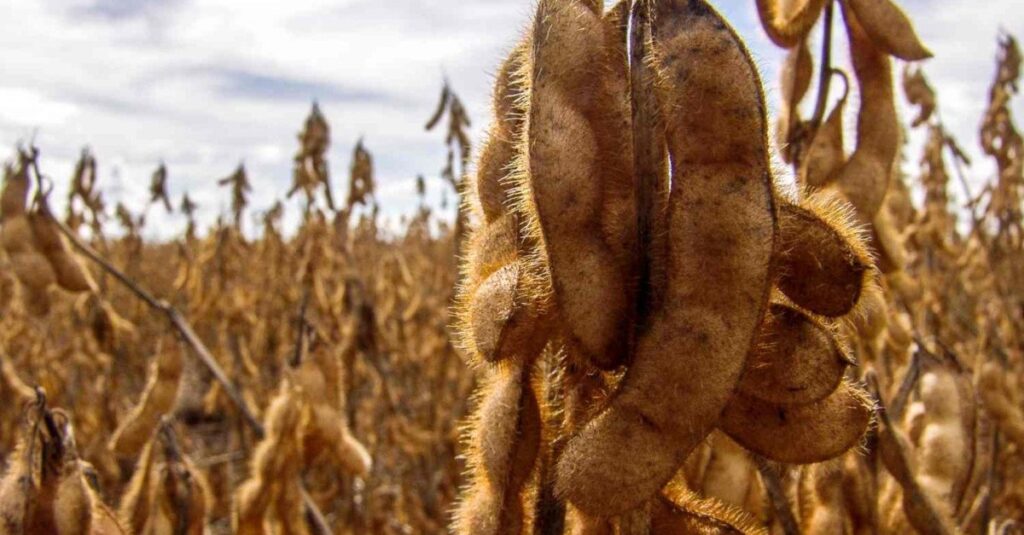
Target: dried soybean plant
638	235
361	185
876	29
165	496
46	488
311	169
456	140
379	305
39	255
157	400
303	423
158	188
188	208
1001	140
240	190
83	192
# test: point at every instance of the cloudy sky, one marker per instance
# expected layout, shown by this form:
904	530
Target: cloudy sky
205	84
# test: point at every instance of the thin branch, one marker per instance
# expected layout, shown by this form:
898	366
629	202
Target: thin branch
219	459
314	517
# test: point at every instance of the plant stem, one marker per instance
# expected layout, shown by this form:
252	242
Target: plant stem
773	485
825	75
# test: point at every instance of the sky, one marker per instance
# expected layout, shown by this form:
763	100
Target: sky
203	85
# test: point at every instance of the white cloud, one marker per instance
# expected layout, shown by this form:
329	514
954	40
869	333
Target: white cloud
203	84
27	108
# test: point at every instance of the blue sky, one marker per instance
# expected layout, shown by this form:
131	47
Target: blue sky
204	84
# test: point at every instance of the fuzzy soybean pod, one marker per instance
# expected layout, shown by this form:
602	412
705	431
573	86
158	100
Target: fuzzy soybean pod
72	502
793	384
54	495
504	441
800	433
168	497
730	473
893	446
788	21
157	399
15	191
181	500
823	264
864	179
578	176
499	314
919	93
720	229
796	359
501	325
274	467
680	510
890	28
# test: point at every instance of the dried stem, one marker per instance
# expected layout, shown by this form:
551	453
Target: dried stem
825	74
780	504
646	146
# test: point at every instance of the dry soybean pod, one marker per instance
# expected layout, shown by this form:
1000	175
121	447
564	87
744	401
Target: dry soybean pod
730	473
721	233
824	265
274	465
16	487
15	192
890	28
864	179
503	449
919	93
136	503
70	273
31	268
498	309
795	360
157	399
999	404
800	434
821	499
944	451
649	166
680	510
786	23
501	324
579	172
892	447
